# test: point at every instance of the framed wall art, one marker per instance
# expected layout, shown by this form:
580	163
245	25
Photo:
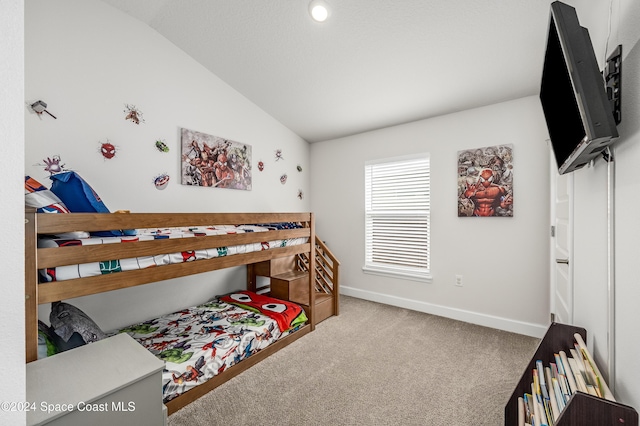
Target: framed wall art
485	181
215	162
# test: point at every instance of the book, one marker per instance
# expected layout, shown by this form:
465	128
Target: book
577	376
559	363
606	392
569	375
528	408
541	380
564	389
553	401
548	413
553	385
538	408
560	398
591	390
588	374
579	371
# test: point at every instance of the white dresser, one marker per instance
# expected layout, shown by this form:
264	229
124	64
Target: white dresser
114	381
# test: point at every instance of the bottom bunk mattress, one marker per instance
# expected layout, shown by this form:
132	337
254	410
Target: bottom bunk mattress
201	342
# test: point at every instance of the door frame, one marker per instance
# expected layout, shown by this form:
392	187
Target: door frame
553	234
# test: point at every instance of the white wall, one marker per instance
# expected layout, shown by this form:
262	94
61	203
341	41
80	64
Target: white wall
11	225
165	83
504	261
86	60
590	258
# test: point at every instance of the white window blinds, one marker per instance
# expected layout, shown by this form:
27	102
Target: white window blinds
397	202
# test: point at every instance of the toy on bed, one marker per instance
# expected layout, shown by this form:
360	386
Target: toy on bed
67	320
70	328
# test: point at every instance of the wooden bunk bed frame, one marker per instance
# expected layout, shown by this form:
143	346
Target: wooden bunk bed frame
46	223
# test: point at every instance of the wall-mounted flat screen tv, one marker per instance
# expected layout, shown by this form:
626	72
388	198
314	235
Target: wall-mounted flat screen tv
572	92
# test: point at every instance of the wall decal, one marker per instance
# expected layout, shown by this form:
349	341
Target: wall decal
133	114
300	194
283	179
39	107
260	165
215	162
107	149
161	145
161	181
278	154
53	165
299	168
485	181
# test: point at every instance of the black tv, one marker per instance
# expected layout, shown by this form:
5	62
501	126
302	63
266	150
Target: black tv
572	92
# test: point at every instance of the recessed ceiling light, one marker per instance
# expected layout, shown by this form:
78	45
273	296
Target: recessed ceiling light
319	10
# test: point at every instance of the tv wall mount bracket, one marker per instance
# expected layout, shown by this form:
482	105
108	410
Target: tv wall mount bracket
613	79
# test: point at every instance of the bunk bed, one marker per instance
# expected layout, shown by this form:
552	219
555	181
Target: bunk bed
37	292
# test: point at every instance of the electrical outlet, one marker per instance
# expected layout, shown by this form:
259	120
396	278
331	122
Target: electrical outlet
459	280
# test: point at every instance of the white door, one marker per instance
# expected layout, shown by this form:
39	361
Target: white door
561	245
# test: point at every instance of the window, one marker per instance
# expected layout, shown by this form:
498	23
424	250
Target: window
397	217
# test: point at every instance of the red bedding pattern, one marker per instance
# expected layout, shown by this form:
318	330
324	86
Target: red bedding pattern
287	314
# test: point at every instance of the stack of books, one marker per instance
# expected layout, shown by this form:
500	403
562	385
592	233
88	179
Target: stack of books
552	385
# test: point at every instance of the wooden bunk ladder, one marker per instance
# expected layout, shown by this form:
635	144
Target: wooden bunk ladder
289	280
327	284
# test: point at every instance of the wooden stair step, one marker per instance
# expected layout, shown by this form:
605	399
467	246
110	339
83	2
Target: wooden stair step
275	266
324	306
291	285
322	297
291	275
294	286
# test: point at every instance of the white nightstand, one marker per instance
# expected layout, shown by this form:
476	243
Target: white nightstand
111	382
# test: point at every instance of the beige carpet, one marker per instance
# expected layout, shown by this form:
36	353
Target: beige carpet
375	365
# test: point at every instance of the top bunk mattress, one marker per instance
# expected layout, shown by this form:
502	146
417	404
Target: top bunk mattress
69	272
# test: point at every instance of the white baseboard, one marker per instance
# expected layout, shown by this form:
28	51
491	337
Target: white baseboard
527	329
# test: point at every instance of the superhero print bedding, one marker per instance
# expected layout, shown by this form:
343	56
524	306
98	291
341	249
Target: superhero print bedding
108	266
201	342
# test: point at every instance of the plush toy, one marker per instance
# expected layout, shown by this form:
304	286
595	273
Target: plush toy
46	341
66	320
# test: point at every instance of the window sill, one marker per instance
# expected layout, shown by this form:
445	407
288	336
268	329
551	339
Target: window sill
397	273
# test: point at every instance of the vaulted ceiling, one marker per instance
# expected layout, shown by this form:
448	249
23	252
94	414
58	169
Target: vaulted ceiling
372	64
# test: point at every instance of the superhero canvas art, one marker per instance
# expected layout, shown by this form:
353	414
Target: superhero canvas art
485	181
215	162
